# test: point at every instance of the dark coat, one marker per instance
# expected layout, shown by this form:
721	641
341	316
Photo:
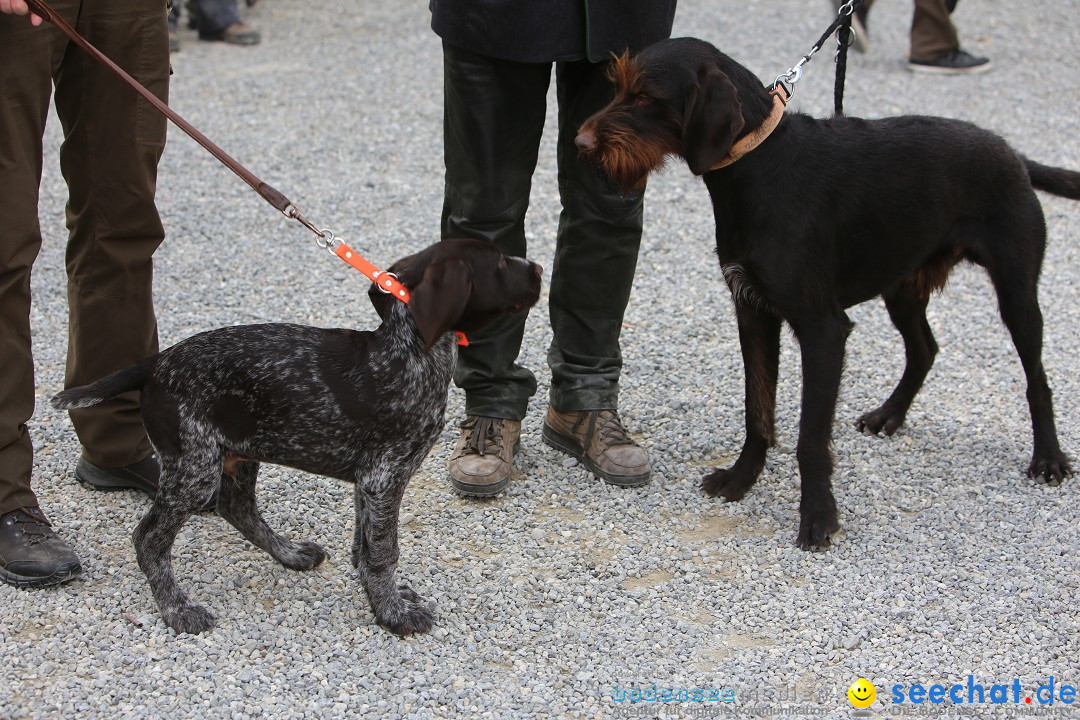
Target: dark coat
549	30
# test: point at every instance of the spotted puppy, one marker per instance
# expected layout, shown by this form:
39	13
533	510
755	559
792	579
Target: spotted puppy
365	407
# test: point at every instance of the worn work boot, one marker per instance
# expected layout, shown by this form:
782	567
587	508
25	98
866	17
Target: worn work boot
598	438
31	553
481	461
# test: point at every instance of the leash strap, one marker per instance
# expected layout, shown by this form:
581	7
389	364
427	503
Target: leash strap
268	193
387	282
845	36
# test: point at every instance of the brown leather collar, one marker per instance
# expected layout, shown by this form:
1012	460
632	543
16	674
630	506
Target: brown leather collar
754	138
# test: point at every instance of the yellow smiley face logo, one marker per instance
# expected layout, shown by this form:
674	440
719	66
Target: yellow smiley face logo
862	693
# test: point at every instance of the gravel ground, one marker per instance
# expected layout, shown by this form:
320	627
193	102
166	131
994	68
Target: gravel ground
564	592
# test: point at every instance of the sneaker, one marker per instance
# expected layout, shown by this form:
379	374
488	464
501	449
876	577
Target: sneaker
598	438
235	34
956	62
142	475
31	553
481	461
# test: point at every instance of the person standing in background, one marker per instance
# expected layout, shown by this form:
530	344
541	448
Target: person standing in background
935	47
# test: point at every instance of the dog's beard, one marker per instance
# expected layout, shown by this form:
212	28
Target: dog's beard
627	161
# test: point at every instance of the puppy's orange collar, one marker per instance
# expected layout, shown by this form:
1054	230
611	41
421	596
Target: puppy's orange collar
386	281
754	138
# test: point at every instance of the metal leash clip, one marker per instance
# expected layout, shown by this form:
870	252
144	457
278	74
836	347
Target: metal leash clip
328	241
793	74
846	9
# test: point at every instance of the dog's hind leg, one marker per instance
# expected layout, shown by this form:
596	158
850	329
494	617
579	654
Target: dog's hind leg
1016	278
236	503
181	492
759	339
375	554
822	338
907	308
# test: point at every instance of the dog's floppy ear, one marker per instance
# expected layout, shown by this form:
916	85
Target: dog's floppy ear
712	119
437	302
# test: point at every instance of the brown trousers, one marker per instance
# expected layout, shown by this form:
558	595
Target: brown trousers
932	31
112	143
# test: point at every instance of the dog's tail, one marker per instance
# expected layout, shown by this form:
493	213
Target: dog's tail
108	387
1058	181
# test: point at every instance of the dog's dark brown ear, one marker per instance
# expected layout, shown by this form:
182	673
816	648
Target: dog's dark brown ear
712	120
437	302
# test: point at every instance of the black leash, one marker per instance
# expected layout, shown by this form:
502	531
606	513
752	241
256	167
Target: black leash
844	38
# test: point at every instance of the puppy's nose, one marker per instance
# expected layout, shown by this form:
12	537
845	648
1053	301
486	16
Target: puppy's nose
585	141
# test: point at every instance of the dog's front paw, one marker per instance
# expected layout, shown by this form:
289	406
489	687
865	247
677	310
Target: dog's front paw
816	529
190	618
880	421
410	614
302	556
1052	466
730	483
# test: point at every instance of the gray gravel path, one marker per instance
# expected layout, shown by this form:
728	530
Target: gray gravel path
952	564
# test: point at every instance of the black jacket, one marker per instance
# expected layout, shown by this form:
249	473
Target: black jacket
550	30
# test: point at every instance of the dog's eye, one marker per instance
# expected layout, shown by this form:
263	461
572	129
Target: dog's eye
640	99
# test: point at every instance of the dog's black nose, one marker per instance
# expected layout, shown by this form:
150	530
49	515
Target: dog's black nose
585	141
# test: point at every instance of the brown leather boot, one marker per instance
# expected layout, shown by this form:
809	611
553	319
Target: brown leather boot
598	438
481	461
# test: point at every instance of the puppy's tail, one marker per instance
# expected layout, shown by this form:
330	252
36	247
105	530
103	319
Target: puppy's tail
108	387
1058	181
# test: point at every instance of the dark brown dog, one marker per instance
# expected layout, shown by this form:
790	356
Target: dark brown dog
822	215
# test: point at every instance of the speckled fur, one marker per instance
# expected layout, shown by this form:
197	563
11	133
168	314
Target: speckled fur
365	407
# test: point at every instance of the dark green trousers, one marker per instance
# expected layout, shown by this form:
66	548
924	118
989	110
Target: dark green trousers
112	142
494	118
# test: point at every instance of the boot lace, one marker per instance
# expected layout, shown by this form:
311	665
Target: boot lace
33	524
608	425
485	435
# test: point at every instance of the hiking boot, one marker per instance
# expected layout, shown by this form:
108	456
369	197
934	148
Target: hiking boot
956	62
31	553
142	475
481	461
598	438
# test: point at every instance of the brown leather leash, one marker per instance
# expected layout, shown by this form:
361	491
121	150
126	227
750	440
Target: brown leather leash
387	282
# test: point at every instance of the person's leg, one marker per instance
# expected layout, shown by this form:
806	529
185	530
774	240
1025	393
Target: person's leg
935	47
31	553
932	31
591	279
213	15
27	55
220	20
113	141
494	117
494	113
595	259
